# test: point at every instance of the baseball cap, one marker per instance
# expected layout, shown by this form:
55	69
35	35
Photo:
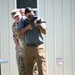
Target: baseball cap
28	9
15	13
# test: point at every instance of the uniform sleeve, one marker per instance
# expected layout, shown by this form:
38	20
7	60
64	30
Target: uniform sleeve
13	30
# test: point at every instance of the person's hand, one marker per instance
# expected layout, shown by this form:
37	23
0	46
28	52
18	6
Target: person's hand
17	45
36	24
29	27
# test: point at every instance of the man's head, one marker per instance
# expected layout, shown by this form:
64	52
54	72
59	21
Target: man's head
28	11
22	11
16	15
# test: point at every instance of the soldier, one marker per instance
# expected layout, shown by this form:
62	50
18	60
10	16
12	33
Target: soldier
19	42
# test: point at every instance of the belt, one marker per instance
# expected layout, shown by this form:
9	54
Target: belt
32	45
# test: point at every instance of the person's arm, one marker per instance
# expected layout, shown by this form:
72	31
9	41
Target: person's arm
21	28
15	41
14	35
42	29
41	26
22	31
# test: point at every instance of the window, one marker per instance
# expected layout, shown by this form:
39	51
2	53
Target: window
26	3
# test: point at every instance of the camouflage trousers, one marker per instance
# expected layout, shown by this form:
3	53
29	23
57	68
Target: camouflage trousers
20	60
35	68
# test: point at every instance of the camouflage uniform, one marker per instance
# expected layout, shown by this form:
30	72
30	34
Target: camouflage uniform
35	68
19	50
20	53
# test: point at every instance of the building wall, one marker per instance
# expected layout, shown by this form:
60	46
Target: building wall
7	50
59	40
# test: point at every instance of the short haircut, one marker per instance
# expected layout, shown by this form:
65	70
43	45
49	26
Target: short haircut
28	10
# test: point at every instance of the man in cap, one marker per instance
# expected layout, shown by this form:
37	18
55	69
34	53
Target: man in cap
33	43
19	42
